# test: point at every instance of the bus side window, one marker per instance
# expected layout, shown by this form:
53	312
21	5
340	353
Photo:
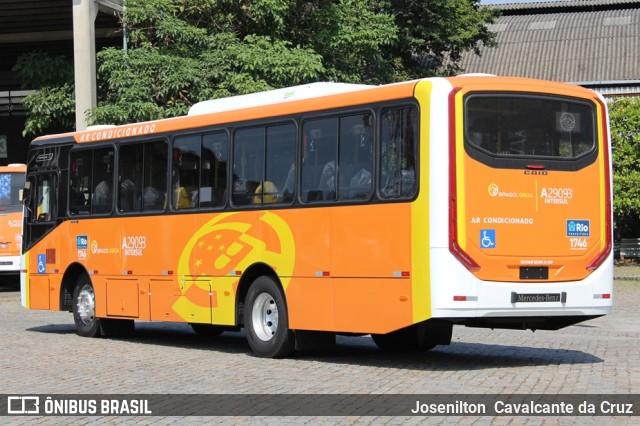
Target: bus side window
185	172
356	157
102	196
213	179
91	181
398	145
319	152
130	168
43	199
80	182
142	177
280	157
248	165
154	193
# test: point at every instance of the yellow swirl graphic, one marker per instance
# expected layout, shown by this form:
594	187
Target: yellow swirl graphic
228	243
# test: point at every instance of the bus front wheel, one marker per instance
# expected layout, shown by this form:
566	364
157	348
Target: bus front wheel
84	308
266	319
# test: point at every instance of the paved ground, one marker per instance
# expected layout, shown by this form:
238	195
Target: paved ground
41	354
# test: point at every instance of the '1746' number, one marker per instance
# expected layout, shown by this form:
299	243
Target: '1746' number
578	243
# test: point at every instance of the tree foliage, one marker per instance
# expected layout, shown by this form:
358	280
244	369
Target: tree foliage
431	42
184	51
52	105
625	140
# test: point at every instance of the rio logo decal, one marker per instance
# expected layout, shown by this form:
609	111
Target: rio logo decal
578	228
228	243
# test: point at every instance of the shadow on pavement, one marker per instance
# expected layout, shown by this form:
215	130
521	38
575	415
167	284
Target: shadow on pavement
356	350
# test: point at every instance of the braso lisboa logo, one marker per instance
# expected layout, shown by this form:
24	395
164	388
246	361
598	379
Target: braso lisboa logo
227	245
494	191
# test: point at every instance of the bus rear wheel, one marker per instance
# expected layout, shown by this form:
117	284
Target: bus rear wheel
84	308
266	319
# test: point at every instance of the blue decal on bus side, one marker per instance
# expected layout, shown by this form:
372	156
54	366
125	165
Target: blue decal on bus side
578	228
82	241
487	238
42	263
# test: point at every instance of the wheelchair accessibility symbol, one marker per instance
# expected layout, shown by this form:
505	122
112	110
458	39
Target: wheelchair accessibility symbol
42	263
487	238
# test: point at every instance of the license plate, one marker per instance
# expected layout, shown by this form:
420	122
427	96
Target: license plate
538	297
534	273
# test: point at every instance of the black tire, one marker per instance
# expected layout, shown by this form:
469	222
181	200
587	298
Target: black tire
266	320
84	308
207	330
412	338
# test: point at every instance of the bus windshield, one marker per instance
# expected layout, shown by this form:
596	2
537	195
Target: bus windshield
523	125
10	185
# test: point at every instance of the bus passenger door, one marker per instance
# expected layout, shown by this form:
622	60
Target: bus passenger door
40	214
39	218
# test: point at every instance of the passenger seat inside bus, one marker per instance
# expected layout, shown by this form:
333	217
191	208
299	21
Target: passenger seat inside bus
129	198
153	199
101	202
267	193
359	183
183	198
244	190
311	183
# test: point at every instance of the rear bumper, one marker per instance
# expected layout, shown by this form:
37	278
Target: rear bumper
9	264
458	294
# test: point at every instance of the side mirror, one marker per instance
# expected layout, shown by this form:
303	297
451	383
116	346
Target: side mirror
24	192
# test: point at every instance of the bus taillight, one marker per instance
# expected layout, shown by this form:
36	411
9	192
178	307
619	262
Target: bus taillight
602	256
454	247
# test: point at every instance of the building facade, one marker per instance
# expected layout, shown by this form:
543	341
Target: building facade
594	43
40	26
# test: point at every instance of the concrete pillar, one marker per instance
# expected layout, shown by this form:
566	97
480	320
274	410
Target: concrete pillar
84	58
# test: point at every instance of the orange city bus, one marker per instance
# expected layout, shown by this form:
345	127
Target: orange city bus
310	211
12	179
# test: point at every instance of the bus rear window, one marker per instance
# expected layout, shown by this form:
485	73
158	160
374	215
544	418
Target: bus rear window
10	185
529	126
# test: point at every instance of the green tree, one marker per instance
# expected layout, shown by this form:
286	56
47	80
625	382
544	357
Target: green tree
52	105
181	52
433	34
625	140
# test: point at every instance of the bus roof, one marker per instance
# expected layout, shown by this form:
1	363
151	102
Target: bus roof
289	101
276	96
14	168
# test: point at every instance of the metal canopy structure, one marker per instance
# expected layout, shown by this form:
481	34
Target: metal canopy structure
45	26
594	43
